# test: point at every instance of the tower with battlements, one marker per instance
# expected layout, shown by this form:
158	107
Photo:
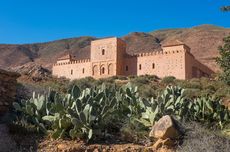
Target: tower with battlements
108	58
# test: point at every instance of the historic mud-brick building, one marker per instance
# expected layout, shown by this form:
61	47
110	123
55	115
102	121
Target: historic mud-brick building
108	58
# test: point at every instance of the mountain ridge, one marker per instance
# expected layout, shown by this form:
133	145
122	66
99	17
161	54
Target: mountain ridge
203	41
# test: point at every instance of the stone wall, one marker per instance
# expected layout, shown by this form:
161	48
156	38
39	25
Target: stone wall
73	70
195	69
8	84
162	64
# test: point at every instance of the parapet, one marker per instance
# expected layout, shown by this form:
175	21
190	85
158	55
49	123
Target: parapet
72	62
155	53
173	43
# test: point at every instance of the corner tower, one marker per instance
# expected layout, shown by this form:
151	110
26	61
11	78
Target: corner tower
107	57
175	45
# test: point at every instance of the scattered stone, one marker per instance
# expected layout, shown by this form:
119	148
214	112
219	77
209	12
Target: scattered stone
158	144
33	70
165	128
166	131
62	147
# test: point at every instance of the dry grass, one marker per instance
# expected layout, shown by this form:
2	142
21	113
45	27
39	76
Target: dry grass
199	139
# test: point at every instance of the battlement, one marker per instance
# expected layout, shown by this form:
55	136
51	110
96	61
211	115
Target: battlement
72	62
108	57
161	52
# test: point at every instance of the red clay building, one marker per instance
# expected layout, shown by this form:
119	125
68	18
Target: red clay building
109	58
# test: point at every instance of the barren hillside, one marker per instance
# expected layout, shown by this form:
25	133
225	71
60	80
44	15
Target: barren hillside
203	40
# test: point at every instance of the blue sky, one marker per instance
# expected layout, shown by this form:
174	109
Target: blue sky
28	21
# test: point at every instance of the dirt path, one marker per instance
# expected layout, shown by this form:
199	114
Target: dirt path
6	142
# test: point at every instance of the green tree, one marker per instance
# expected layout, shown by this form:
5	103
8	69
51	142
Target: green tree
224	60
225	8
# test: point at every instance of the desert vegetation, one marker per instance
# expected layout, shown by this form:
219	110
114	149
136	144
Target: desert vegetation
121	107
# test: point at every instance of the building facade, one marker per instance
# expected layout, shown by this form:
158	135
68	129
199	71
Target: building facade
108	58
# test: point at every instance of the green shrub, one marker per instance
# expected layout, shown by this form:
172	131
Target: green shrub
192	93
168	80
150	77
132	131
193	83
91	112
132	77
122	78
83	83
148	91
78	114
173	102
141	80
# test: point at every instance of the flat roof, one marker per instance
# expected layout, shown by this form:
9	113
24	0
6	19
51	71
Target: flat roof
100	39
173	43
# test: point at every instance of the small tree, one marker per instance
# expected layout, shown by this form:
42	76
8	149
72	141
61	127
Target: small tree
225	8
224	60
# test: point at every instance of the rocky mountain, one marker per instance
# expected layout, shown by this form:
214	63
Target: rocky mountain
203	40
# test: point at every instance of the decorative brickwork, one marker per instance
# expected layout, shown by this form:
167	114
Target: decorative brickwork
109	58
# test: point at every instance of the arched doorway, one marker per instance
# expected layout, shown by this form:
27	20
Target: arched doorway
102	70
95	70
110	69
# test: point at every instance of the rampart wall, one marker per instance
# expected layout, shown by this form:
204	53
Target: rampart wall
73	69
162	64
109	58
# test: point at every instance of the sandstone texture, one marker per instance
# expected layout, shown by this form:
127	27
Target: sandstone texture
109	58
166	132
165	128
8	84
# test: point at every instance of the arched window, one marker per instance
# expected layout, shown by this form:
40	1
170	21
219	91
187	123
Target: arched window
139	66
71	72
83	70
102	70
103	52
126	68
153	65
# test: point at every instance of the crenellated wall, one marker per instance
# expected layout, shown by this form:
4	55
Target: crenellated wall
109	58
73	69
158	63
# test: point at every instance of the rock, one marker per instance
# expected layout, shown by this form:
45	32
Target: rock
62	147
33	70
8	84
165	128
7	144
158	144
169	143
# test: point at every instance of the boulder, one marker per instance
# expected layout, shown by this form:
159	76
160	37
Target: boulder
163	142
165	128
